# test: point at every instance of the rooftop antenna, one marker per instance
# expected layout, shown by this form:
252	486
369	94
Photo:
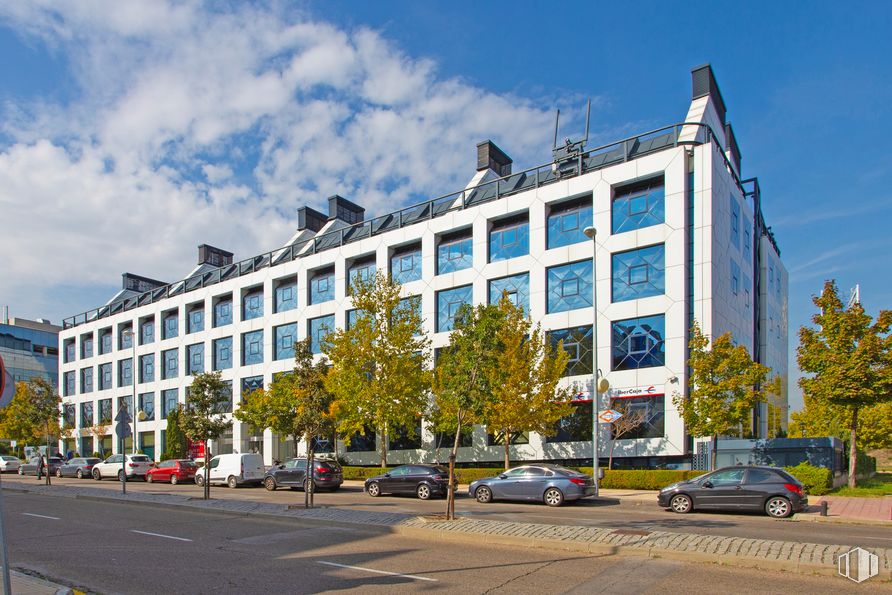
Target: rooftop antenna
566	156
855	296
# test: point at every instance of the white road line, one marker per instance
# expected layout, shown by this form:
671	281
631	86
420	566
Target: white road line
41	516
412	576
159	535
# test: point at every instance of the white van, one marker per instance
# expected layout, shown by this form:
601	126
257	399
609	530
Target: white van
234	470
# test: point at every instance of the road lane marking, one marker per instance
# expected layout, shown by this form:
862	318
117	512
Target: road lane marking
41	516
412	576
159	535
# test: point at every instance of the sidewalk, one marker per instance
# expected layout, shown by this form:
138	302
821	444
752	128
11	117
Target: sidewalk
23	584
842	509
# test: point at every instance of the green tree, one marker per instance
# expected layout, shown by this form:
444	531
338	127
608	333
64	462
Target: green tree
33	414
175	437
630	421
378	373
724	386
202	419
254	410
847	360
16	423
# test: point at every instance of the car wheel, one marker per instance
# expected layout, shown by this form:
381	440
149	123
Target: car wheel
120	476
173	480
553	497
373	489
97	475
21	471
423	492
199	479
778	507
270	484
483	495
232	482
80	474
681	504
149	479
59	473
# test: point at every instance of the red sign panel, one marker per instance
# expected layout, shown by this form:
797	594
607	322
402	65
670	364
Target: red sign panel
196	449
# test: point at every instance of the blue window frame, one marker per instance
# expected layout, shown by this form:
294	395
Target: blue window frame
252	305
577	342
639	273
223	312
455	255
147	332
170	363
147	405
566	223
516	288
352	317
735	277
105	410
125	372
570	286
87	415
735	222
87	346
224	405
318	329
125	339
639	205
406	266
364	270
638	342
413	302
147	368
105	342
747	243
449	301
286	337
69	384
252	348
87	380
70	351
169	401
171	325
322	287
105	376
286	296
223	353
509	240
195	359
250	384
195	321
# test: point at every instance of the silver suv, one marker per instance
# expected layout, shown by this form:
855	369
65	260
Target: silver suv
137	466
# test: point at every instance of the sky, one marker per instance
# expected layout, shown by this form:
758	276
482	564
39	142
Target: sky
132	132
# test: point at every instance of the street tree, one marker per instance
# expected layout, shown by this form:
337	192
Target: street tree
724	386
43	410
177	443
16	421
203	419
631	420
98	431
847	360
378	374
254	410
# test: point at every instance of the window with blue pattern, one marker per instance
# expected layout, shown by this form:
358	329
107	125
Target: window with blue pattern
322	287
250	384
455	254
105	376
169	402
639	273
735	277
577	343
570	286
566	223
223	353
735	221
125	372
639	205
286	295
286	337
449	301
171	325
147	368
147	332
638	342
509	240
69	350
195	359
87	380
147	405
318	329
195	320
223	312
252	305
363	271
105	410
405	266
252	348
125	338
69	384
170	363
105	342
87	415
352	316
87	346
516	288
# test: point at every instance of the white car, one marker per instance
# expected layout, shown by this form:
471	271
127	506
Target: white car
137	466
8	463
234	470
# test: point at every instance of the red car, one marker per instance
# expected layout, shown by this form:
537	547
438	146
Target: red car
173	471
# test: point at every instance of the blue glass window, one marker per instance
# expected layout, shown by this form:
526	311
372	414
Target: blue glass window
224	405
509	241
195	359
105	376
87	380
638	342
735	277
286	337
147	405
286	296
747	244
223	312
448	303
639	205
87	414
318	330
223	353
171	325
361	270
250	384
352	317
147	368
169	401
87	346
195	322
69	384
147	332
515	287
406	266
735	222
105	410
322	287
125	372
69	351
413	302
639	273
577	342
570	286
169	363
105	342
252	305
455	255
566	223
252	348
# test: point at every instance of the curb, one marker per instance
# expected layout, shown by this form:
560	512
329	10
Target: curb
813	518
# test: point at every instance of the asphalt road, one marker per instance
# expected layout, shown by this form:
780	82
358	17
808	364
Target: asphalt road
604	512
112	547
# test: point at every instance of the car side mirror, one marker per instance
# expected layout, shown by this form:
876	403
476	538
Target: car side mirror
280	466
502	476
387	475
707	484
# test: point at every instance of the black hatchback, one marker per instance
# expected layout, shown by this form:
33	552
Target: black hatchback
422	480
292	474
740	488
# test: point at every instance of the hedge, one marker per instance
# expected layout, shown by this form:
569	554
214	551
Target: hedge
817	480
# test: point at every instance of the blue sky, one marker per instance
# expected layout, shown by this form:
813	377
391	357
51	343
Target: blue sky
132	132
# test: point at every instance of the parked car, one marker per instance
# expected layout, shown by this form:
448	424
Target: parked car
79	467
136	466
30	468
9	463
293	474
741	488
422	480
552	484
234	470
173	470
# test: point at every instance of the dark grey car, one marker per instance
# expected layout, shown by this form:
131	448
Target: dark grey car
551	484
292	474
30	468
81	468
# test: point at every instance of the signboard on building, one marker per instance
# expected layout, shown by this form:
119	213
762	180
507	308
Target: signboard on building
632	392
195	449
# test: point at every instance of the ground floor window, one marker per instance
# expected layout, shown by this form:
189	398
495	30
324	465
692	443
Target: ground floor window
147	444
362	442
447	439
401	439
576	427
653	416
498	439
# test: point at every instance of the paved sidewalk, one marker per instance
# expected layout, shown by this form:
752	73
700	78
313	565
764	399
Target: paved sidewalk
868	509
23	584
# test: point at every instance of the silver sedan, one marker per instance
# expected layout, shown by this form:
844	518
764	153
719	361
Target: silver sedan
551	484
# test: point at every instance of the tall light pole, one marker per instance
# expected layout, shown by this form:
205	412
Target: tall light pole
133	370
591	233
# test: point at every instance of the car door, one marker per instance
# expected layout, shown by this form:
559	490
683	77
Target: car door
392	482
757	485
507	485
721	490
531	485
216	473
288	473
163	471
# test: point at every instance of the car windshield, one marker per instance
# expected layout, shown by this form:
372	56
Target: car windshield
188	464
140	458
91	461
55	460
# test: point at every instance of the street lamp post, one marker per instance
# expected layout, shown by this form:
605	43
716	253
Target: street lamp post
592	233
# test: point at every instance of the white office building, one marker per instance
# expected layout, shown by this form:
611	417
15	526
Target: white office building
680	237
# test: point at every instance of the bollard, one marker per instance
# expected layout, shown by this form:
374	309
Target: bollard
824	507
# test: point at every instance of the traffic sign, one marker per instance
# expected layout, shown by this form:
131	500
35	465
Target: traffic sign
608	416
122	430
123	416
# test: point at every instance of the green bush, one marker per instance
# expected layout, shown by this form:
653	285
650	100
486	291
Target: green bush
641	479
817	480
865	464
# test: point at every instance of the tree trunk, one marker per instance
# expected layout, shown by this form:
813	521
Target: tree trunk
308	471
48	481
853	447
311	484
507	450
383	436
715	452
450	494
610	458
207	471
